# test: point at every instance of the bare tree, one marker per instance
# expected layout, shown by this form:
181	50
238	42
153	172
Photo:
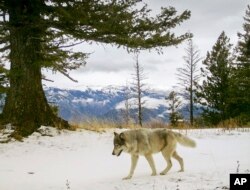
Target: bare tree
188	76
138	86
127	105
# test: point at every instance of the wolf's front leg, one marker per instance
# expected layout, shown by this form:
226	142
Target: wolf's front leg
134	159
150	160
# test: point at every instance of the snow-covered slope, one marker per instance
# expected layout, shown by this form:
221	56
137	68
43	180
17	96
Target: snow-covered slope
82	160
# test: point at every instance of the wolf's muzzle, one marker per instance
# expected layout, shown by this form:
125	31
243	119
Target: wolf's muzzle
113	153
119	153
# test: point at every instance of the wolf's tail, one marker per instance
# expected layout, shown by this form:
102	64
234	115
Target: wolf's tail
184	140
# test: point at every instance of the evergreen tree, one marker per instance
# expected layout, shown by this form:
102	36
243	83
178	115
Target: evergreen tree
214	91
174	108
240	105
41	33
188	76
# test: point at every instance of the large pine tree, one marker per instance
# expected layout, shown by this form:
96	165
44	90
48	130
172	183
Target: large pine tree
38	34
214	91
240	101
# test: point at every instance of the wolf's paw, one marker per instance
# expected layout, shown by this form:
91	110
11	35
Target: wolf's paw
163	173
126	178
181	170
154	174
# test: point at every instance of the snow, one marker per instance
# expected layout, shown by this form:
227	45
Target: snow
153	103
82	159
121	105
150	103
83	100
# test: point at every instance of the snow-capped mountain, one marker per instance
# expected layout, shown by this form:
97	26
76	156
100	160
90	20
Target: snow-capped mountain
107	103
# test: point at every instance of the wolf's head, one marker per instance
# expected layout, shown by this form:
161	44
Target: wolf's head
119	144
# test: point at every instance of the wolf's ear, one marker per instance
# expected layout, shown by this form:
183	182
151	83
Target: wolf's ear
122	136
115	134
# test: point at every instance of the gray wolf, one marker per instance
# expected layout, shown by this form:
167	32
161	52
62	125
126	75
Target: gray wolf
146	142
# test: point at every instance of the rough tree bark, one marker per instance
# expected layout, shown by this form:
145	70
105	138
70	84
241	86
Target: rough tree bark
40	34
25	75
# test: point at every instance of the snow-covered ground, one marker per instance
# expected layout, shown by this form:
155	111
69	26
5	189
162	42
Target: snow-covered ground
82	160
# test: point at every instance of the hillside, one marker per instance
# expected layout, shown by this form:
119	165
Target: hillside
78	160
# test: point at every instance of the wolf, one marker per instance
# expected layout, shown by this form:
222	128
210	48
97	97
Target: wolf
146	142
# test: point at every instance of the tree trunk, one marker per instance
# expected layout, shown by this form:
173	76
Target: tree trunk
191	101
191	108
191	85
139	90
26	106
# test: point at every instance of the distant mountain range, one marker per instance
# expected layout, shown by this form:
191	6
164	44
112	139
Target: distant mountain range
109	103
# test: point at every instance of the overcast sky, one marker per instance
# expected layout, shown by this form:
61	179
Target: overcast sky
111	66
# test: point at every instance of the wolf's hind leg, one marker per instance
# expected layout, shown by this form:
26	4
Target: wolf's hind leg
134	159
180	160
150	160
167	154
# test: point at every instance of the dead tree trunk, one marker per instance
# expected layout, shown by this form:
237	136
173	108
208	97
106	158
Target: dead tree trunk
188	76
138	84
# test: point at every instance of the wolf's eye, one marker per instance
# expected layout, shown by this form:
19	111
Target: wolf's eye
117	145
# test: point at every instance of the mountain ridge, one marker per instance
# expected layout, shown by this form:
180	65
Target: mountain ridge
107	103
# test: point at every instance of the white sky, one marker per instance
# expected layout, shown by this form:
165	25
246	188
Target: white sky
109	65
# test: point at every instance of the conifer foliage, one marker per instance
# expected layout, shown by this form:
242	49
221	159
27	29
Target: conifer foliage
174	104
36	34
240	105
215	88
